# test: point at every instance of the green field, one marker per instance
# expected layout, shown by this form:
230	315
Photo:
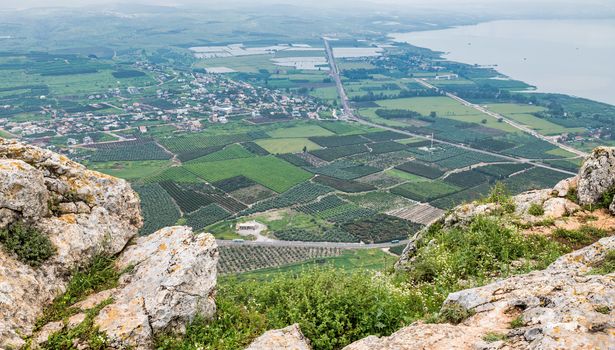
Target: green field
406	176
445	108
270	171
305	130
287	145
521	113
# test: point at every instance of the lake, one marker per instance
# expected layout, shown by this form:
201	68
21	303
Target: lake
575	57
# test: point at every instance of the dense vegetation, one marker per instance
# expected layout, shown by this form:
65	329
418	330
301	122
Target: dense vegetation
28	244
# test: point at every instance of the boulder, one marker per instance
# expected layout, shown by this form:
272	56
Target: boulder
556	208
170	278
565	186
289	338
597	176
42	189
525	200
562	307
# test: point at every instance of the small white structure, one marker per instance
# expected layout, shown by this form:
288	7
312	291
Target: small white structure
249	228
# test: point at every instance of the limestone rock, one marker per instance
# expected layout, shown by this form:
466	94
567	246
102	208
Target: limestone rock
424	336
463	214
558	207
172	278
22	189
43	189
289	338
597	175
565	186
525	200
557	305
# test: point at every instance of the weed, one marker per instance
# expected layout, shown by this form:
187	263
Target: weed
536	210
28	244
493	337
517	322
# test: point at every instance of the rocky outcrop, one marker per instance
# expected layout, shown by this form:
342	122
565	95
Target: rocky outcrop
562	307
83	212
168	277
597	177
171	278
289	338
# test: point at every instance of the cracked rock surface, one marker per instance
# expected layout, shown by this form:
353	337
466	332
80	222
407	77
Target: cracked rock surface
83	212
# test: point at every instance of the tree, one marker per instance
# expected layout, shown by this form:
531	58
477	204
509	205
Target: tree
304	149
433	114
484	121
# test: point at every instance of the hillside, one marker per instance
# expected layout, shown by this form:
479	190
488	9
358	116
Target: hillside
530	271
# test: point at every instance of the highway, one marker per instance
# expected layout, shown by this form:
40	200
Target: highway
335	74
352	116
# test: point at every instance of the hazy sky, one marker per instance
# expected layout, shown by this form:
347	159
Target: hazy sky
429	3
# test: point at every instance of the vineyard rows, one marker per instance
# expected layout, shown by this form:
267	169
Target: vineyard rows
236	259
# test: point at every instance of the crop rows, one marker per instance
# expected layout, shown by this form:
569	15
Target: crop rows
197	153
302	193
333	234
386	147
255	148
347	186
242	258
333	153
157	208
345	213
193	142
467	178
343	170
141	151
294	159
323	204
206	216
337	141
424	191
437	153
420	169
234	183
384	136
233	151
187	200
501	171
466	159
380	228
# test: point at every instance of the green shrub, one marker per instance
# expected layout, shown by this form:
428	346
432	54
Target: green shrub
485	248
493	337
85	333
28	244
606	266
517	322
603	309
607	197
499	194
332	307
454	313
536	210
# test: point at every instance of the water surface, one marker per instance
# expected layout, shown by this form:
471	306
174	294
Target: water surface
575	57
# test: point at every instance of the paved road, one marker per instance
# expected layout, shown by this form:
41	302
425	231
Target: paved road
335	73
226	243
504	119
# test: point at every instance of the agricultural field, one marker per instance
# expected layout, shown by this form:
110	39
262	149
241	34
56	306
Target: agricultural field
425	191
525	114
287	145
157	208
269	171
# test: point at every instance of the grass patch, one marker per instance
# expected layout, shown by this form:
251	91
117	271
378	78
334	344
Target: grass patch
28	244
579	238
517	322
606	266
99	275
493	337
